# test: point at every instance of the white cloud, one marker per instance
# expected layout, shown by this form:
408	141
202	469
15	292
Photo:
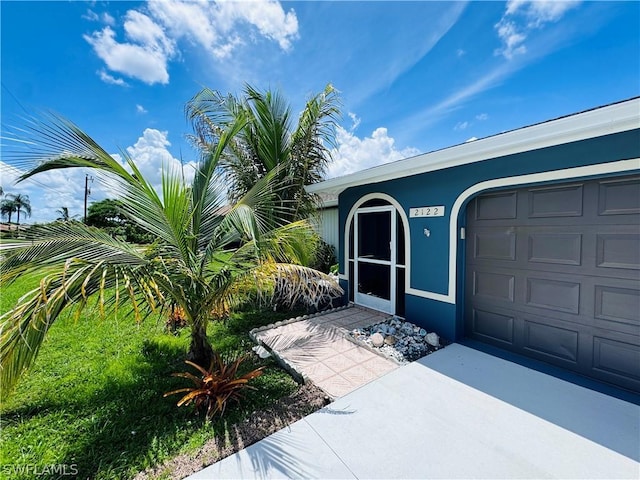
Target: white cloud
142	30
140	109
356	121
91	16
94	17
539	12
353	154
151	155
460	52
512	39
144	62
108	19
47	191
106	78
217	26
268	17
466	124
151	35
522	17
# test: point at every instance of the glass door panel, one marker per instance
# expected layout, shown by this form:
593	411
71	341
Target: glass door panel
375	258
374	235
374	280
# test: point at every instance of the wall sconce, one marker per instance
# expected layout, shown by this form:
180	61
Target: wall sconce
427	232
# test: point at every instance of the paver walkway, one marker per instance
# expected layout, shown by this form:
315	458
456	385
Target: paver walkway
317	349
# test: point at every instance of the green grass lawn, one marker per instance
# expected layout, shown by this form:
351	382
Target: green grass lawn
93	400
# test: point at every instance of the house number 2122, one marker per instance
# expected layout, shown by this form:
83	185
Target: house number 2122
434	211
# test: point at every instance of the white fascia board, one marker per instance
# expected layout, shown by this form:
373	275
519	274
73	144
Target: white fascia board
619	117
329	203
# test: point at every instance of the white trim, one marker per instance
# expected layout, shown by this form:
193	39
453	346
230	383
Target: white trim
327	204
407	243
606	120
566	174
374	261
563	174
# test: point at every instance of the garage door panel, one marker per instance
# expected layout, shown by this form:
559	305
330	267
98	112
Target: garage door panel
618	250
557	201
561	296
550	340
493	285
617	304
619	197
494	327
617	359
560	280
495	245
502	205
557	248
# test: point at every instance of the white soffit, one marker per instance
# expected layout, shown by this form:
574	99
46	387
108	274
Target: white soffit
615	118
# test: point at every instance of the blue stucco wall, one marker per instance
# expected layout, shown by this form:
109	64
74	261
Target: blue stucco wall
430	255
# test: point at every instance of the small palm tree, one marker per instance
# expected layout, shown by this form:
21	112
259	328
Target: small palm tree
204	258
268	140
21	203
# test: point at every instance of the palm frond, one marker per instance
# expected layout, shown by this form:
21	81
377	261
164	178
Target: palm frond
23	329
56	243
271	126
290	284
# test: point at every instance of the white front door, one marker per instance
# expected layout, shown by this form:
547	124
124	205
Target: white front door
375	258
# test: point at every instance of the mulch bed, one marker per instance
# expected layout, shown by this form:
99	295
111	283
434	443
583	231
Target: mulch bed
306	400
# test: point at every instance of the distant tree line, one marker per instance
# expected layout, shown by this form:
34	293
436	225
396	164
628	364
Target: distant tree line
109	215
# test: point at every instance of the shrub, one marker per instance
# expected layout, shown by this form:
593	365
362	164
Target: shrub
216	387
325	257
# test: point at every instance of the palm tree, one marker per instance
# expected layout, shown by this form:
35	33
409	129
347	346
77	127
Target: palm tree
268	140
7	207
21	203
202	261
63	213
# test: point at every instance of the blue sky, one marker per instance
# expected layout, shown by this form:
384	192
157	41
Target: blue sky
414	76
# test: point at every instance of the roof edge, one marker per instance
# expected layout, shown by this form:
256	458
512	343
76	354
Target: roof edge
600	121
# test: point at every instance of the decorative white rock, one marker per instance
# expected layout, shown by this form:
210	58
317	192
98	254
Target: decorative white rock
377	340
390	340
261	351
433	339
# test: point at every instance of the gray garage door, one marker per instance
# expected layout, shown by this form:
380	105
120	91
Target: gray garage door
554	273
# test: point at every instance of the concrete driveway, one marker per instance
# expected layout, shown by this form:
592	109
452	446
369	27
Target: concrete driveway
457	413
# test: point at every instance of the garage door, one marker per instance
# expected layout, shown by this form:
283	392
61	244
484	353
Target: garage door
554	273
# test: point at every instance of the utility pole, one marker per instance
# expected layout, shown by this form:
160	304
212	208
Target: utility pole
87	192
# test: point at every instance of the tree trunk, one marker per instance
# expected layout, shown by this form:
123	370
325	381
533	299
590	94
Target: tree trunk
200	351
